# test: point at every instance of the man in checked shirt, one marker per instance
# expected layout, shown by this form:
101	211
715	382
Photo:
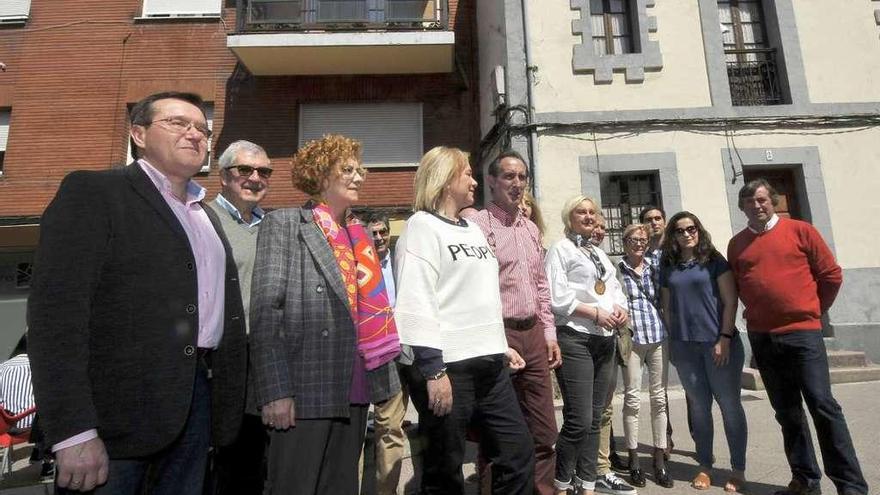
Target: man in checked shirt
525	297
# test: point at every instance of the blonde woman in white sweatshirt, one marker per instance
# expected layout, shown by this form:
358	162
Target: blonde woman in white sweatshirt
449	310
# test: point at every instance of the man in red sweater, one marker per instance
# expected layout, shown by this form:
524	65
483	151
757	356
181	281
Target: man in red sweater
787	278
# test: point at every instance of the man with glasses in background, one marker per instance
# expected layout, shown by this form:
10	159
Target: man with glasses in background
244	178
137	337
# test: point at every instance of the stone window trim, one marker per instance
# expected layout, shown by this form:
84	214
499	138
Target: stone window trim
806	163
634	65
661	163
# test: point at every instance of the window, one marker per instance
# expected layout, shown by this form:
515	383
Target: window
612	28
614	36
623	197
182	8
14	11
391	133
4	135
209	114
751	62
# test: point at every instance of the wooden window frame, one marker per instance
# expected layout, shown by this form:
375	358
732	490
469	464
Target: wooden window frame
608	37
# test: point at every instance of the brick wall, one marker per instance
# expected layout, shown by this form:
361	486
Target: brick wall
75	66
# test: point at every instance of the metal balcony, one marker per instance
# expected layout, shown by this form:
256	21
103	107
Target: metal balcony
753	77
335	15
343	37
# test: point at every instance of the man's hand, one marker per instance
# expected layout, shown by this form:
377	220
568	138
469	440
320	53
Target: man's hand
554	355
279	414
514	361
83	466
440	396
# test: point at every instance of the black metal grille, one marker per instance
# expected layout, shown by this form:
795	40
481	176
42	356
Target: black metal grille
623	197
754	78
324	15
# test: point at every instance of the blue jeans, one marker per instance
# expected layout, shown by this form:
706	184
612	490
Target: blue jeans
179	469
793	365
584	378
702	381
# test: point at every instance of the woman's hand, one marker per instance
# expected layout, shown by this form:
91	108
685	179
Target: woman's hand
605	319
440	396
279	414
620	316
721	351
514	361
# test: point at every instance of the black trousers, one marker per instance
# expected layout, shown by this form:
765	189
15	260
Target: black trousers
317	456
795	365
482	395
584	378
240	469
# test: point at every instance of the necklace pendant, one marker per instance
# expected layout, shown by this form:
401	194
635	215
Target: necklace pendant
599	287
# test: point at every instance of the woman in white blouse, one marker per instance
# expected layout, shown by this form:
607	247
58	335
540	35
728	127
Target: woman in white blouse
588	302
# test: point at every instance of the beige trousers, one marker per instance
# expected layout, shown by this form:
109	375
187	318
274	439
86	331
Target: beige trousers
390	440
656	358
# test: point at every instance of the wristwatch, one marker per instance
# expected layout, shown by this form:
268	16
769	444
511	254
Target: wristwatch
436	376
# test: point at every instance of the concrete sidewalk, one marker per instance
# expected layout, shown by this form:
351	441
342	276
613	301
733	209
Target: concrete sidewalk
767	469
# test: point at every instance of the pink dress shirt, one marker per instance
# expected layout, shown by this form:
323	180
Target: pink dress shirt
517	244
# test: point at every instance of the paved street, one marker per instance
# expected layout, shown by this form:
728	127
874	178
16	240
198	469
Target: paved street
767	469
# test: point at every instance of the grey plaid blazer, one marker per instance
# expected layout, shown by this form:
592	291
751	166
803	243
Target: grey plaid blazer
303	339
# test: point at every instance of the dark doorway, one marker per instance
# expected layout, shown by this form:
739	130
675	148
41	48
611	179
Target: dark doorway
783	180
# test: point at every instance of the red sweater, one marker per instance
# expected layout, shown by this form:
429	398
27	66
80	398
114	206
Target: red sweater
786	277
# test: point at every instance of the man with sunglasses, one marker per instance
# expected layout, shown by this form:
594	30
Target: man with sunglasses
244	178
136	324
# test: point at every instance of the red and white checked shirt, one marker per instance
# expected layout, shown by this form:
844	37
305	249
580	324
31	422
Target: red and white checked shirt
517	244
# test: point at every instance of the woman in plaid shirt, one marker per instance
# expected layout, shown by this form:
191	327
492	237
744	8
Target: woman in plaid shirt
640	285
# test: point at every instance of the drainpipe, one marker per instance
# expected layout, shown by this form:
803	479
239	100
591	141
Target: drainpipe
533	134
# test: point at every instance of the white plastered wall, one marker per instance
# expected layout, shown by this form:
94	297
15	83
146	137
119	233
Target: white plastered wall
681	83
848	163
840	43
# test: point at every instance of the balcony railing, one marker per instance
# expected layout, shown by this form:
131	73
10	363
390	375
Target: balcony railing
324	15
754	78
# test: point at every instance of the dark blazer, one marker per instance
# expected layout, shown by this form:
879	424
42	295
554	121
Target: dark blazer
113	318
303	339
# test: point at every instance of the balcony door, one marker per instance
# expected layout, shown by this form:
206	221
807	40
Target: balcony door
751	61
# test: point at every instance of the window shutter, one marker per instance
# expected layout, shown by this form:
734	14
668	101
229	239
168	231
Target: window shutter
14	9
391	133
4	129
162	8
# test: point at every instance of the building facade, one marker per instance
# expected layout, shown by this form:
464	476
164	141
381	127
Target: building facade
400	75
677	103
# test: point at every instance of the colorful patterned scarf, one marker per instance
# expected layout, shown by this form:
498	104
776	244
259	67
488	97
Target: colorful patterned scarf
353	249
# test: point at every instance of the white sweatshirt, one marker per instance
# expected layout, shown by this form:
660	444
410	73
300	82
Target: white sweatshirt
447	289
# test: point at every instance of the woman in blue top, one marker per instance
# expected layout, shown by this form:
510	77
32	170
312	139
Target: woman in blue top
698	297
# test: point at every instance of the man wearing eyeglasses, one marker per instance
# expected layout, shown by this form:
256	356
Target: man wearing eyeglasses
136	323
244	177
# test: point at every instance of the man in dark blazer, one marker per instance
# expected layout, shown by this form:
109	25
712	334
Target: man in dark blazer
136	326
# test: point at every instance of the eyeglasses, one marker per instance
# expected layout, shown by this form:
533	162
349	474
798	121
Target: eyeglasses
182	126
689	230
247	170
348	171
632	241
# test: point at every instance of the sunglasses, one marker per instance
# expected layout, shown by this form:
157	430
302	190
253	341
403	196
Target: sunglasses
689	230
247	170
